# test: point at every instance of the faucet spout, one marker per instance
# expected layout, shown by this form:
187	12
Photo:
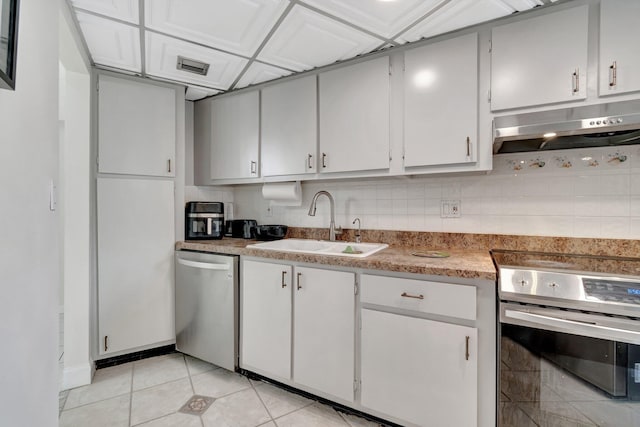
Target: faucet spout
333	230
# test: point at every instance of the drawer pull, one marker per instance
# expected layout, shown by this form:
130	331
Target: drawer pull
466	351
406	295
298	277
284	284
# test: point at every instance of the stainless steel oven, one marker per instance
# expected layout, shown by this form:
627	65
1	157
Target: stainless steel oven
569	340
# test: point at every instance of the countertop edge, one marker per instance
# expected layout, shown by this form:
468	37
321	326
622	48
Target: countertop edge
467	264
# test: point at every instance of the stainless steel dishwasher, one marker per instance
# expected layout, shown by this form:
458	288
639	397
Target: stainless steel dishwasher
207	307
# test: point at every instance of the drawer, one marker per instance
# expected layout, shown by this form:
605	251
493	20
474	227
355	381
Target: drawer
420	295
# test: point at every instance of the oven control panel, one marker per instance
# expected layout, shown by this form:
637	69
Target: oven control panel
611	291
540	284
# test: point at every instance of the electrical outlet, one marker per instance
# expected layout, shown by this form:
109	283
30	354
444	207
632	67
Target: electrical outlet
449	208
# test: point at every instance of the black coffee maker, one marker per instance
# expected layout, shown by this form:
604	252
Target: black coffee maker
203	220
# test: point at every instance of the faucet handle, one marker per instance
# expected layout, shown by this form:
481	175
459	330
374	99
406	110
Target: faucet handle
358	235
338	229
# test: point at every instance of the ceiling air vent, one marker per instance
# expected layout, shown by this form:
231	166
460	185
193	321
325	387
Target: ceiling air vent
192	66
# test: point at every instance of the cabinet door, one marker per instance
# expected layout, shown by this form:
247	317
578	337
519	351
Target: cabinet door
354	117
136	127
266	319
234	136
418	370
136	240
441	103
540	60
289	128
619	40
323	345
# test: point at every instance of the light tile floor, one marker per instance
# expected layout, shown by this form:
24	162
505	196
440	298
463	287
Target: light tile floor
151	393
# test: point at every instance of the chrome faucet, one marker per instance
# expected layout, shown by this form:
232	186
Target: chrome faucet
358	234
333	230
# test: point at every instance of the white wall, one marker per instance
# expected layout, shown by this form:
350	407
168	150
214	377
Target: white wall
200	193
569	196
75	179
28	229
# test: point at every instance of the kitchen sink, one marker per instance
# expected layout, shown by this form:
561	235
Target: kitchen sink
322	247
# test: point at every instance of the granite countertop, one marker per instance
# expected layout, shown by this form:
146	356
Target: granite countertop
463	263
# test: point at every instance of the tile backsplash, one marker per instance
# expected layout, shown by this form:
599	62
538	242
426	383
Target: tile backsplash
580	193
208	194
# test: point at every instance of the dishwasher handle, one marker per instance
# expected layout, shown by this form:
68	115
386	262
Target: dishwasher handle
205	265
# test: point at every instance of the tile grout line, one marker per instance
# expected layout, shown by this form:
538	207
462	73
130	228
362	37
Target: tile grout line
296	410
133	368
93	403
262	401
193	389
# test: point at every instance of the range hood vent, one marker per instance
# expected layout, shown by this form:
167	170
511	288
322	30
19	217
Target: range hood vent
600	125
192	66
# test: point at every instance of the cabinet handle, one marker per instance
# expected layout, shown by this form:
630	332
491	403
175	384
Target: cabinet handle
468	147
406	295
576	80
309	157
253	167
298	280
466	351
106	347
613	74
284	273
324	156
169	165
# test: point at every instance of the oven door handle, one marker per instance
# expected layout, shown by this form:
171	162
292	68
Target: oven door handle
574	327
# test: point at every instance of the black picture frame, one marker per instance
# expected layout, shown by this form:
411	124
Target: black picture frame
8	43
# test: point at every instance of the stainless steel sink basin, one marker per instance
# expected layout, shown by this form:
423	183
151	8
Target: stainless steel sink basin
322	247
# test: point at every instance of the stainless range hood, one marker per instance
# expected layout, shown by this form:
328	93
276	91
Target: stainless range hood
600	125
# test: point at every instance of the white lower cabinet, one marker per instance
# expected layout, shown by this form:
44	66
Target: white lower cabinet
266	319
324	336
417	370
135	264
413	360
323	321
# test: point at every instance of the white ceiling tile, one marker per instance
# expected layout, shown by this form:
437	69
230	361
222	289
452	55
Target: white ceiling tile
127	10
457	14
385	18
111	43
258	73
306	40
194	93
162	56
236	26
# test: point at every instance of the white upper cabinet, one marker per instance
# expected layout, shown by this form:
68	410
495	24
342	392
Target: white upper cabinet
441	102
541	60
235	136
289	128
354	117
619	41
136	127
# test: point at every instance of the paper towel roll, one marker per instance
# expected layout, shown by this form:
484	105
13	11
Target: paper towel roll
283	193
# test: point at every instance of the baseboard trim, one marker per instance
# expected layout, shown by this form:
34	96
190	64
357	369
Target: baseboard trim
77	375
138	355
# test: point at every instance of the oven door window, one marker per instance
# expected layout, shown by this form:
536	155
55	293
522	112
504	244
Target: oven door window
550	378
